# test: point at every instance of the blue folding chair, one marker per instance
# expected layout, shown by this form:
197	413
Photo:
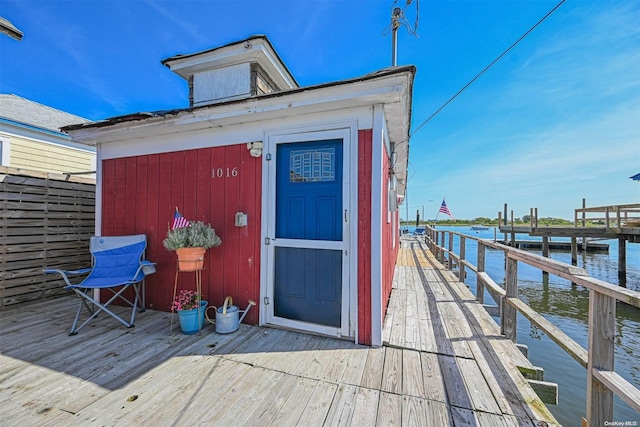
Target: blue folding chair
117	266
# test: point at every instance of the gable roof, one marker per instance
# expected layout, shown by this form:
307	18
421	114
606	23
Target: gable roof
19	110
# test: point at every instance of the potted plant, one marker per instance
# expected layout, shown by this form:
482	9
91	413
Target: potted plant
191	317
191	243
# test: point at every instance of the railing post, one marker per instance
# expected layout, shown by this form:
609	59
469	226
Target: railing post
442	247
509	313
461	274
602	330
479	285
450	251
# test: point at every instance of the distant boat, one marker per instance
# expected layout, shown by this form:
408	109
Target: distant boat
479	227
419	231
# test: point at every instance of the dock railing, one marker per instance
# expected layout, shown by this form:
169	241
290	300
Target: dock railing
598	359
613	217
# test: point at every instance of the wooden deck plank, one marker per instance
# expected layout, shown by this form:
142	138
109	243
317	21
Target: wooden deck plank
354	370
322	360
399	319
392	373
412	327
300	364
318	405
207	404
389	410
365	411
262	402
477	388
284	353
457	393
293	407
432	377
334	371
192	392
414	412
343	405
267	408
373	368
412	378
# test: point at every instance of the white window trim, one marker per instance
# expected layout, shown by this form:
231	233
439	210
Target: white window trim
5	150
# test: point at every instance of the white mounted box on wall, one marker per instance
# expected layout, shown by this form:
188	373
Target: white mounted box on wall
241	219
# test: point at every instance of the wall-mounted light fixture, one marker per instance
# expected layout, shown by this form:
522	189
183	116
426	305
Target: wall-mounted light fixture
255	148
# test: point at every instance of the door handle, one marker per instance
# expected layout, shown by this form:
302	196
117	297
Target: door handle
346	216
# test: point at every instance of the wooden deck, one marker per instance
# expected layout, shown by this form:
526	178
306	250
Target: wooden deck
443	363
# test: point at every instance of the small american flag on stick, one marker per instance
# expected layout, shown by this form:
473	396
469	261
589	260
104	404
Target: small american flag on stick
179	221
445	210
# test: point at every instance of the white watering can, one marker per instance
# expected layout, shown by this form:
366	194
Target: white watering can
228	316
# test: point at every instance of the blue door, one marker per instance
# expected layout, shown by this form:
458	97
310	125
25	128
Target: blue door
308	220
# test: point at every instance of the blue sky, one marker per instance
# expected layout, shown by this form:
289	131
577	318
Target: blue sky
555	121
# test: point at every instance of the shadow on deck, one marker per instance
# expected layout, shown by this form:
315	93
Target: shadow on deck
443	363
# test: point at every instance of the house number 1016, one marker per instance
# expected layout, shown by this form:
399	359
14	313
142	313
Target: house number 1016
224	172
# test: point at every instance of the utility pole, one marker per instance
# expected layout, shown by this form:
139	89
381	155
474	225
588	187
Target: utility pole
395	24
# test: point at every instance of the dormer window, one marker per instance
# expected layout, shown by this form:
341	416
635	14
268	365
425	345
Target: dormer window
239	70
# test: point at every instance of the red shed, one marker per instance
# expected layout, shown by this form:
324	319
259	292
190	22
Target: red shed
317	171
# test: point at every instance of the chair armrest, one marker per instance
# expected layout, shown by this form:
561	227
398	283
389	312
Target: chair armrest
147	267
81	271
64	273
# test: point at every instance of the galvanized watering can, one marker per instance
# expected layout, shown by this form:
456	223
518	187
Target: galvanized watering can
228	316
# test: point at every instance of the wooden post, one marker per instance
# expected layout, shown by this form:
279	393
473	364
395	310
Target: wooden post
450	259
508	324
584	214
622	262
602	331
481	260
531	227
513	235
505	214
545	253
461	274
574	251
442	246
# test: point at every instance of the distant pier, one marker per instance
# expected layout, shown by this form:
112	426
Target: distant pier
620	222
559	246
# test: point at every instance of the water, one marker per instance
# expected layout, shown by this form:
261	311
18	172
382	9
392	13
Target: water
567	306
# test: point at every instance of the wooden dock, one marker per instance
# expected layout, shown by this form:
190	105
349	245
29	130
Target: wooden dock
443	363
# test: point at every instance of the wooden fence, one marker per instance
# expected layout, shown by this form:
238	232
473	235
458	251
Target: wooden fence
46	221
598	359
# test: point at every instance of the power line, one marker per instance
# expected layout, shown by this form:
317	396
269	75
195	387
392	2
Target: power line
486	68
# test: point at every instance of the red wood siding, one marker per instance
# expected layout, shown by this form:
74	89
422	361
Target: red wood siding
389	252
364	236
140	195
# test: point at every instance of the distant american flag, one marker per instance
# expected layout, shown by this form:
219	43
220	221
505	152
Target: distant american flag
179	221
445	210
